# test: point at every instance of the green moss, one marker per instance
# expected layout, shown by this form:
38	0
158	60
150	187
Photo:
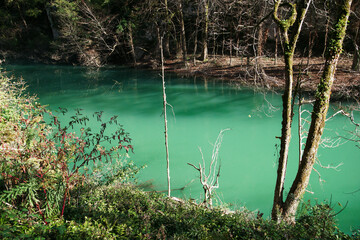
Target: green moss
338	34
285	24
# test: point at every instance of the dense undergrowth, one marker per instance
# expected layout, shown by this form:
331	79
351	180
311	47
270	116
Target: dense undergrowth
46	191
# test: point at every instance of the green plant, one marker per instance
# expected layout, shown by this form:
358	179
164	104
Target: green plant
41	161
317	222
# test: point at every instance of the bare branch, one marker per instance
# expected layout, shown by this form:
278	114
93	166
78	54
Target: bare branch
210	181
329	166
194	166
320	179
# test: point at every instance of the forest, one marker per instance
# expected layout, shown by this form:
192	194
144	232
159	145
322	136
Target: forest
198	36
99	32
309	50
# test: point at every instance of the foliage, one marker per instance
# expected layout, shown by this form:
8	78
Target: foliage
23	25
129	213
93	31
124	212
41	161
317	222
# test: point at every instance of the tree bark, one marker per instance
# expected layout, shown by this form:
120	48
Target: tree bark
231	47
131	42
321	106
260	39
276	46
205	31
326	33
183	36
167	30
294	22
356	58
196	32
165	117
54	31
287	210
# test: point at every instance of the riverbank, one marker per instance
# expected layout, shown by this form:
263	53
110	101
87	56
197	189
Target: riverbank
244	72
239	71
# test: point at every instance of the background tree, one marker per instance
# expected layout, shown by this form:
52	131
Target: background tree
24	26
205	4
96	32
354	34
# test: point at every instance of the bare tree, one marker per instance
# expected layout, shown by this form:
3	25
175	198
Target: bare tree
210	181
86	33
196	32
182	32
165	116
205	30
355	35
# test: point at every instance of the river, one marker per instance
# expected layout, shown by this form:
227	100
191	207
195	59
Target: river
201	109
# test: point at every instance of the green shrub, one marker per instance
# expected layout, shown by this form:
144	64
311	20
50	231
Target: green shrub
318	222
42	161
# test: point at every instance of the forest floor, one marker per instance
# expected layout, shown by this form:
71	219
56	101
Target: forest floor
243	72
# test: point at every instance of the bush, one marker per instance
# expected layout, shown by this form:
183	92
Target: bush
318	222
42	161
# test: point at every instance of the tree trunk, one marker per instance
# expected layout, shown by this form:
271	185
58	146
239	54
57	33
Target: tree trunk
237	47
276	45
131	42
159	44
167	31
322	97
356	58
54	31
214	48
165	117
326	33
196	32
321	106
259	52
223	46
205	31
230	61
183	37
294	22
262	35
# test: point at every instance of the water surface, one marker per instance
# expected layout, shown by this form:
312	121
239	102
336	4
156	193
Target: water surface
249	150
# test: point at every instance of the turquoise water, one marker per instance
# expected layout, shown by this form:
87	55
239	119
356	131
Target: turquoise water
201	109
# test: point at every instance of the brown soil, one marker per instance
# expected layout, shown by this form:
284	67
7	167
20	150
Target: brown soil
237	71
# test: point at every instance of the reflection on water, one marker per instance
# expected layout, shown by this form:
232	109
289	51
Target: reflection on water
201	109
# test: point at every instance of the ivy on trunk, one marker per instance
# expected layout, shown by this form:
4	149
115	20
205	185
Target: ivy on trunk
285	210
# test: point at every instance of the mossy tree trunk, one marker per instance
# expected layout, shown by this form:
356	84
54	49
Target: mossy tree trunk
286	210
294	25
318	118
